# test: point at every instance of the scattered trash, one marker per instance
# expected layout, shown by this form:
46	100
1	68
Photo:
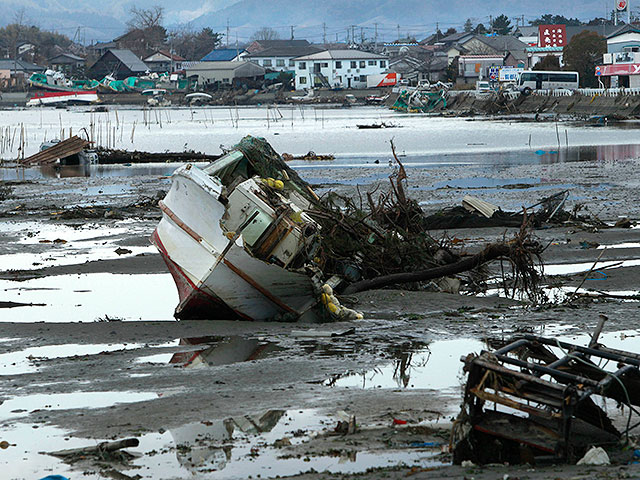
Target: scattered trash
122	251
66	152
376	125
539	398
397	421
101	451
311	155
595	456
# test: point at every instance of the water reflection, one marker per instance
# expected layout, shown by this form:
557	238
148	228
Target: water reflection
517	156
435	367
222	351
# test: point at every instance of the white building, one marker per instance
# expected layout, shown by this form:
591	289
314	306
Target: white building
280	58
338	68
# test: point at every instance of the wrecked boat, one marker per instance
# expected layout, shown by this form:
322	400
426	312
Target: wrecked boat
246	237
237	240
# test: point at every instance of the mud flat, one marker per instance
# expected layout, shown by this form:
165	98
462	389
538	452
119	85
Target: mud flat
90	351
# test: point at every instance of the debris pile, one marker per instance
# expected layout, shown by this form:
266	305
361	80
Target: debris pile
540	399
290	249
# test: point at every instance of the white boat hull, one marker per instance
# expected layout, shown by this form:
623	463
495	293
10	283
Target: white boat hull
216	279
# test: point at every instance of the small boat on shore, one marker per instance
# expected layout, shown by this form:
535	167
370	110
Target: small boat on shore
237	240
63	98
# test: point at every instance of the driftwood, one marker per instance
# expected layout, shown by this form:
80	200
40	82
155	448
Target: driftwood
101	448
491	252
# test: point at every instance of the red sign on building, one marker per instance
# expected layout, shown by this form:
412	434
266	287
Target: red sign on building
552	35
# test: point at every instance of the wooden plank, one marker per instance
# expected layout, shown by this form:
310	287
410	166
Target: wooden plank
64	149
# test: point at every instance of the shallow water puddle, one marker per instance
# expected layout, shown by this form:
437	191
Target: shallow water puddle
91	297
238	447
20	406
436	367
211	351
26	361
574	268
60	244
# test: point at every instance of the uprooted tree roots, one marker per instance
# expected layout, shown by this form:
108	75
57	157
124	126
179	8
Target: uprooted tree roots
384	243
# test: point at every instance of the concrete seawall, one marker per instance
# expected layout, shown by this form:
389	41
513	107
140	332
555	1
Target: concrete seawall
623	106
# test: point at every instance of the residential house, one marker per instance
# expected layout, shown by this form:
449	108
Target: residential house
221	74
225	55
477	67
527	34
280	58
118	63
68	63
100	48
448	40
421	69
621	64
162	61
536	54
338	68
15	72
259	45
479	53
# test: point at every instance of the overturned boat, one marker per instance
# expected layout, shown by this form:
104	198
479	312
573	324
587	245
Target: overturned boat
237	240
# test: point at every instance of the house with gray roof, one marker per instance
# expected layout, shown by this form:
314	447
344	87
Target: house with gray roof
118	63
225	74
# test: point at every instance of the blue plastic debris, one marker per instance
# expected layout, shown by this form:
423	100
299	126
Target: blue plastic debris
54	477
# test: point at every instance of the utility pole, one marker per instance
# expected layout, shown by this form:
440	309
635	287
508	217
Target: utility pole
628	12
398	32
375	36
361	35
353	34
227	33
491	23
324	33
437	32
347	36
291	32
336	37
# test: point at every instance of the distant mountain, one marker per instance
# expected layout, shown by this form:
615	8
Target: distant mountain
106	20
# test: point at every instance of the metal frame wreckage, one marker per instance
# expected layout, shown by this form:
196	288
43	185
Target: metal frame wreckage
540	399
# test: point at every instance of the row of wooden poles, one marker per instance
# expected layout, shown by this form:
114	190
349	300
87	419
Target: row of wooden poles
110	131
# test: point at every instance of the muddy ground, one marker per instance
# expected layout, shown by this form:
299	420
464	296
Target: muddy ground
111	377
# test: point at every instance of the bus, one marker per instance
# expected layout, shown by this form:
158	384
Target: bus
539	80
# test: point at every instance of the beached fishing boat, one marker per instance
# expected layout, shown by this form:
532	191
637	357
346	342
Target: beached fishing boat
53	81
63	98
237	240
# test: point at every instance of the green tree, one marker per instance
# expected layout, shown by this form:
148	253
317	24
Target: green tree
452	71
550	62
502	25
583	53
195	45
468	26
450	31
549	19
480	29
